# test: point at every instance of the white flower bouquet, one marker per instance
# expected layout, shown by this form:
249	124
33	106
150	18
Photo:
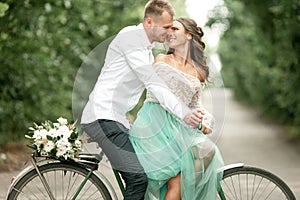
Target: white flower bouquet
55	140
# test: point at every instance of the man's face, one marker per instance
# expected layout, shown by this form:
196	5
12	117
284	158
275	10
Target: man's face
161	26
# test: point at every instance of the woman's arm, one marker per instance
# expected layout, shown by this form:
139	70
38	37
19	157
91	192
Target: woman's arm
208	120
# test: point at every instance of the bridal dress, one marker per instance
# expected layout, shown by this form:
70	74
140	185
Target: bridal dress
166	146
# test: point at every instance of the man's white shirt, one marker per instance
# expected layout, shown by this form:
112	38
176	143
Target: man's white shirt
127	71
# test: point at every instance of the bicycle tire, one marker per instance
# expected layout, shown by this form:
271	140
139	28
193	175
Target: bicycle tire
254	183
63	179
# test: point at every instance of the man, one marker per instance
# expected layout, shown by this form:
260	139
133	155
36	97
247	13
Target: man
127	71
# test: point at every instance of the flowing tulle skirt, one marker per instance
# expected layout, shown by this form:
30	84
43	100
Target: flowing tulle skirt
165	147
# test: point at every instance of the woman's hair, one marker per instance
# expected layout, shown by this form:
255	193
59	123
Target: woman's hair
155	8
197	46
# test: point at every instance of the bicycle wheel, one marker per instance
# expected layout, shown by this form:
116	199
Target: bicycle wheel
254	183
64	180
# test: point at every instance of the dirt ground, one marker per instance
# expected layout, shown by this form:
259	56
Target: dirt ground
13	156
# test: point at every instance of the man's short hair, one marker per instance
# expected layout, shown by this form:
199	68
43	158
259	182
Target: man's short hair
155	8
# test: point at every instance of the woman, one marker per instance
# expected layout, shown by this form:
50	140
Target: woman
165	145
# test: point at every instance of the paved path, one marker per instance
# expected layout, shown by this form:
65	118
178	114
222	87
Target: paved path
248	138
245	137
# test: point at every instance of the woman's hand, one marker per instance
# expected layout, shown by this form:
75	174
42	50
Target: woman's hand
207	122
194	118
201	119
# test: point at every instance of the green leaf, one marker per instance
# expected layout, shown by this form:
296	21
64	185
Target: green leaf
49	138
50	123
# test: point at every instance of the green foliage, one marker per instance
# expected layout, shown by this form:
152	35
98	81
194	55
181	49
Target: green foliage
42	45
260	55
179	7
3	8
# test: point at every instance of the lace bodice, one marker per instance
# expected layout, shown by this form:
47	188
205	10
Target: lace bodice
186	87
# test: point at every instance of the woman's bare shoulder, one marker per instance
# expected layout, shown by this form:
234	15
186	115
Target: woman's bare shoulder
162	58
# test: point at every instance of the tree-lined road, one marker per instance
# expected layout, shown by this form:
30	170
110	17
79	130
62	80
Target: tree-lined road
247	138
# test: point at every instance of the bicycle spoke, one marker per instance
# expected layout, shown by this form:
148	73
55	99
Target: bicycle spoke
258	186
253	184
67	195
271	192
264	189
228	189
86	189
64	182
240	188
247	186
27	196
90	195
234	191
73	178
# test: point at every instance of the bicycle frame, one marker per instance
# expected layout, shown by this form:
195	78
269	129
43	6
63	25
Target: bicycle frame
44	182
119	180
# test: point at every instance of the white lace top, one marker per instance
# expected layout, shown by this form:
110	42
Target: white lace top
185	86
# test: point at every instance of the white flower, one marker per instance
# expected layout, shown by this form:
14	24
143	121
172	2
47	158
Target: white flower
63	146
62	121
43	133
60	152
64	131
49	146
36	134
63	143
39	134
52	132
47	138
56	125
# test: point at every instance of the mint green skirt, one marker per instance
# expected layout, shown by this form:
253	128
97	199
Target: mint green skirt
166	146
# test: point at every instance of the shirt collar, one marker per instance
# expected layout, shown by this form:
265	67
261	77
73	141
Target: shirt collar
145	38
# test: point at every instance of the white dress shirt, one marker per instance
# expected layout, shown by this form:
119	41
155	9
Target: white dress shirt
127	71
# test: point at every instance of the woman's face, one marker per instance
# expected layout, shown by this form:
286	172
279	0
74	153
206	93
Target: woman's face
177	36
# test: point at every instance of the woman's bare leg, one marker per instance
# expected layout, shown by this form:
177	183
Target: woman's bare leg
174	192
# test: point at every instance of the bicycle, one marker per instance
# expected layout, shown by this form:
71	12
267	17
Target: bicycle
80	179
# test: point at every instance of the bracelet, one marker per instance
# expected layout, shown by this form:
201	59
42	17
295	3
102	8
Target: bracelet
199	126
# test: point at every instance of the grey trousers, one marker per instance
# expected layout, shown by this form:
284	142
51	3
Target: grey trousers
113	138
